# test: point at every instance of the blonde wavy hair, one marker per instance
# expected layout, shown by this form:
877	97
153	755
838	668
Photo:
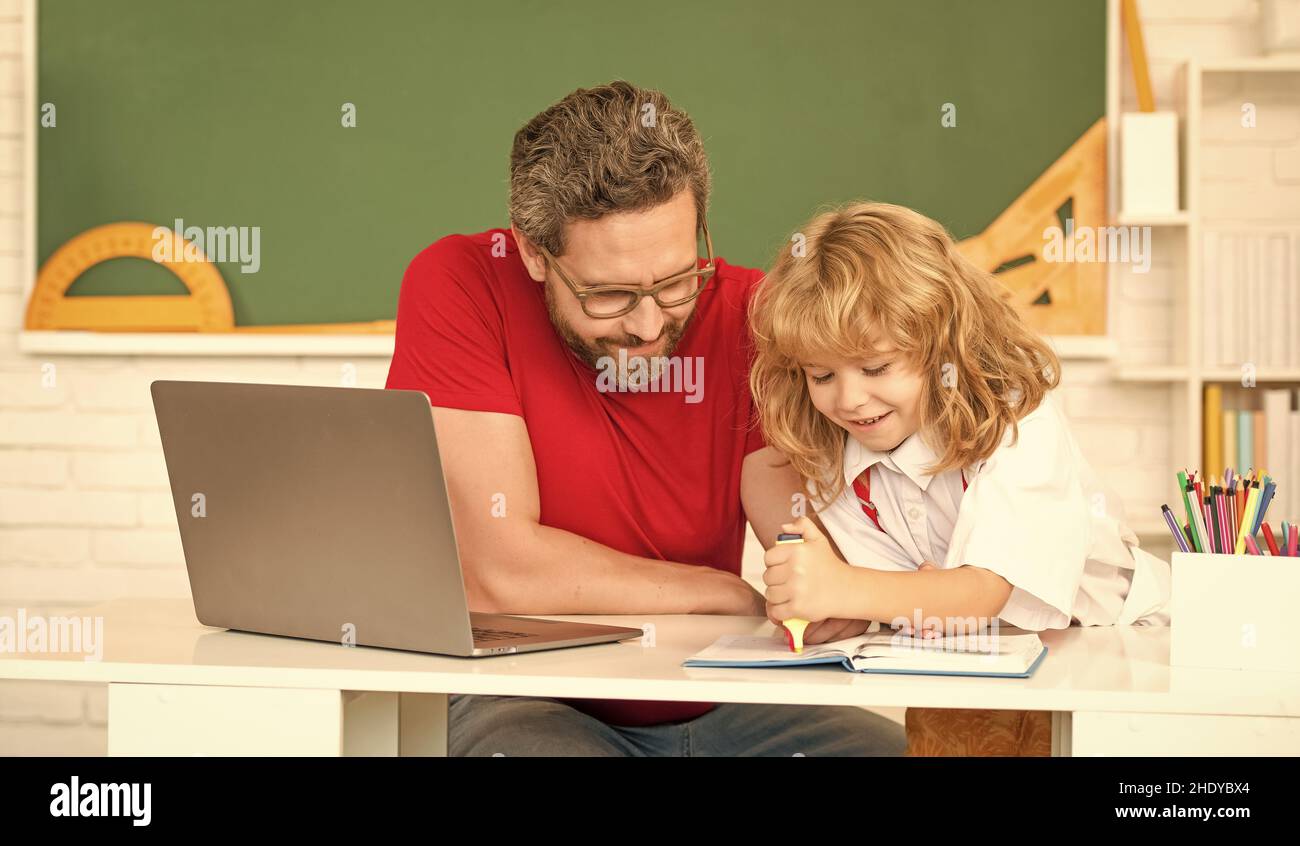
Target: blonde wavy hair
871	272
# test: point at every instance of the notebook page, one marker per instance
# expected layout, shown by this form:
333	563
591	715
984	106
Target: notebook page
769	648
975	654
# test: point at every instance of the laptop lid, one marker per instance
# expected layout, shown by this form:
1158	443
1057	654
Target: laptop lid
304	511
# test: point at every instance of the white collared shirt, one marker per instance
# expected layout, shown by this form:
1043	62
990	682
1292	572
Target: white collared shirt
1035	513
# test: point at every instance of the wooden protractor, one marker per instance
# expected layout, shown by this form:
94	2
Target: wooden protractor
206	308
1064	298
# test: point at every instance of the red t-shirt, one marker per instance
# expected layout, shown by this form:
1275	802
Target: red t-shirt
646	473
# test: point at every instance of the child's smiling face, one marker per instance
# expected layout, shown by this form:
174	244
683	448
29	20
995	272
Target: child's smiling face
874	399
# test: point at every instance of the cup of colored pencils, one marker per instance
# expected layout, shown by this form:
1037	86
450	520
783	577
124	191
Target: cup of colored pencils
1224	514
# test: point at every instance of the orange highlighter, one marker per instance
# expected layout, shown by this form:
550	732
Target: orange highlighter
794	627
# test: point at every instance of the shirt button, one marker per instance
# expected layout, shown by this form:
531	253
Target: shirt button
914	514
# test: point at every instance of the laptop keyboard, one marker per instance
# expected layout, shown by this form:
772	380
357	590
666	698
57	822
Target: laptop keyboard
481	635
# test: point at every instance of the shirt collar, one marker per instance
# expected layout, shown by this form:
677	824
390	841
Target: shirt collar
911	458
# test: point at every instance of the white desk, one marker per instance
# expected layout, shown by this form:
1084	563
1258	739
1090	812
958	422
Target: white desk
179	688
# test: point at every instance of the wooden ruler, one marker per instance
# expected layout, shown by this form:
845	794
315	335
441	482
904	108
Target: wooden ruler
1075	292
206	308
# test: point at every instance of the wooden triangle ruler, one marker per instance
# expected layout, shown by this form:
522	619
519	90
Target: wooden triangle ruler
1058	298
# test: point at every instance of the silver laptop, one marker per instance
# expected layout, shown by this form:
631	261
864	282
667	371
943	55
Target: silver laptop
322	513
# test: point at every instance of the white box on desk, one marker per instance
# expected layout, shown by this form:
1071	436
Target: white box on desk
1234	612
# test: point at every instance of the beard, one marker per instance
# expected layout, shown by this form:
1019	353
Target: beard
591	353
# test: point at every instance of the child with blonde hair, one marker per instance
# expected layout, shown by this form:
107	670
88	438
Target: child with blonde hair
916	406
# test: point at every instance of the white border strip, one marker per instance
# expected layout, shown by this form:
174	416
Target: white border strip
29	109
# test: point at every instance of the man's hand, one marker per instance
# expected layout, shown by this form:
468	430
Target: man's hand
755	605
805	580
744	601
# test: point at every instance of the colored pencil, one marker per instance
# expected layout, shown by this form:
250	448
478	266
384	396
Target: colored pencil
1265	499
1234	520
1202	531
1216	532
1221	512
1268	538
1173	528
1252	505
1186	487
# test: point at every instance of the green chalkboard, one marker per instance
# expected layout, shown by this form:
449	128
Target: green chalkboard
228	114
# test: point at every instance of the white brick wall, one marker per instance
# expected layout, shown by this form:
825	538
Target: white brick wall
1250	174
84	510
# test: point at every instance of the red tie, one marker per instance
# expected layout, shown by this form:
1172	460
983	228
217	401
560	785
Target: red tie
862	487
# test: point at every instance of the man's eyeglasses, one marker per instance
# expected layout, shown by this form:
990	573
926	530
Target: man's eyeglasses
605	301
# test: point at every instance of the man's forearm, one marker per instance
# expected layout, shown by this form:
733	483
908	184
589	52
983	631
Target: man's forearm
543	570
514	565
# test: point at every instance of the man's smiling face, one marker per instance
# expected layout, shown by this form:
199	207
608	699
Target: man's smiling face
633	249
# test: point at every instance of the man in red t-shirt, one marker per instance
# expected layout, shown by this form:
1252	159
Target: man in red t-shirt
588	372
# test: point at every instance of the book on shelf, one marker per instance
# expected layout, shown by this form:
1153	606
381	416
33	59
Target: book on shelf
1278	311
1251	297
1263	437
1229	441
1277	458
1213	415
1259	440
1246	439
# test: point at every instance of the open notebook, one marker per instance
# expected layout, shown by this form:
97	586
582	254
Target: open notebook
1009	656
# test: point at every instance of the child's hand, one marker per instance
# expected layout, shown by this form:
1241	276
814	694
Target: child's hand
829	631
805	580
825	631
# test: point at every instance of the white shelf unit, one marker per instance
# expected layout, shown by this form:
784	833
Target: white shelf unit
1186	374
1178	218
